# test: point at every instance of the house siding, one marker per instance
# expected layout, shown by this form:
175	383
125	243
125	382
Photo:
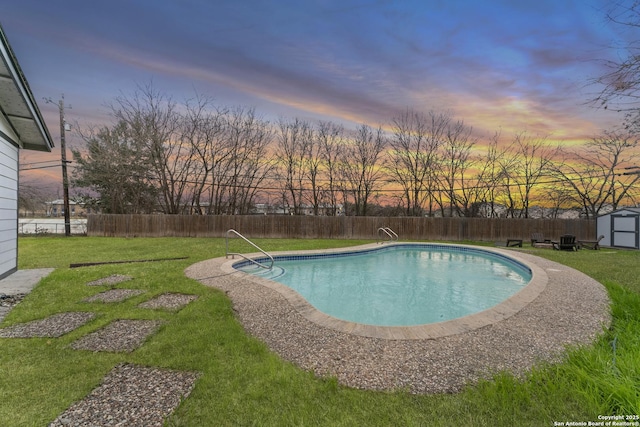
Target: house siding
8	207
21	127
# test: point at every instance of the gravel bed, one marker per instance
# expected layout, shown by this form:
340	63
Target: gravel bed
114	295
52	326
120	335
169	301
132	396
7	302
114	279
11	300
573	309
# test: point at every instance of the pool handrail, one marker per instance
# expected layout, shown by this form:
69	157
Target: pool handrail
392	235
227	253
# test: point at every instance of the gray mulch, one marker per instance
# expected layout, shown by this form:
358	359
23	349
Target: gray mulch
169	301
114	295
120	335
114	279
51	327
132	396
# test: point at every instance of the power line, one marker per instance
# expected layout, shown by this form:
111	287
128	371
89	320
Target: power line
40	167
39	163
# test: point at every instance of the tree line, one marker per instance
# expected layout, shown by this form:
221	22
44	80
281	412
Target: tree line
196	157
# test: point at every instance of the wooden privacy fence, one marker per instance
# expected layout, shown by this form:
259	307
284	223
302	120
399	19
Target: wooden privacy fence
344	227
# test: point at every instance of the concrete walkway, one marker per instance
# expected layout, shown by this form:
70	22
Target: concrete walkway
21	282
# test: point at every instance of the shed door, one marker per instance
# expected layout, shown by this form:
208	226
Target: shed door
624	231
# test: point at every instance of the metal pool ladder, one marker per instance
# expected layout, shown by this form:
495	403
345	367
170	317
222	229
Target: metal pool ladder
385	234
259	264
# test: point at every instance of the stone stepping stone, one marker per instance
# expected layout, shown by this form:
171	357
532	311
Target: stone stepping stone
114	279
131	395
169	301
114	295
7	302
119	335
50	327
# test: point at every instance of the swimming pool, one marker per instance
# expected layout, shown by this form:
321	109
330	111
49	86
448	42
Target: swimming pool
400	285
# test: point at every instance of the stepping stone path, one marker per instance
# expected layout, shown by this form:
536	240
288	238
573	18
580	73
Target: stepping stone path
129	395
50	327
114	295
110	280
7	302
169	301
120	335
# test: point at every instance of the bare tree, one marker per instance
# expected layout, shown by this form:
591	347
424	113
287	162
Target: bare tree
313	171
220	154
248	164
414	155
455	161
621	84
293	142
203	126
531	162
152	121
558	196
596	172
31	198
489	177
361	166
330	139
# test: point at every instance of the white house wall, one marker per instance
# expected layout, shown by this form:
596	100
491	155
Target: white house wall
21	127
8	206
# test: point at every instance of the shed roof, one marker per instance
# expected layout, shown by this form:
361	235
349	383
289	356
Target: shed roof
632	209
17	104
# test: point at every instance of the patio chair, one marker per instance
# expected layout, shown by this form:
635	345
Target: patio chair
539	238
567	243
591	244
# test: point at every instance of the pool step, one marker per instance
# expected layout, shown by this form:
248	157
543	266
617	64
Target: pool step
274	272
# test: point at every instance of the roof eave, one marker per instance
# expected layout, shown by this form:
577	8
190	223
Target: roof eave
38	126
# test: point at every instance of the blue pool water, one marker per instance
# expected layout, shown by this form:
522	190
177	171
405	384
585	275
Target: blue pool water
400	285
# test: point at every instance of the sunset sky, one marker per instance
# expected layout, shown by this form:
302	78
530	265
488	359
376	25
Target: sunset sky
514	65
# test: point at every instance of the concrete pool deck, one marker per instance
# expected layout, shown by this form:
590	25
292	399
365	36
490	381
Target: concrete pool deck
560	307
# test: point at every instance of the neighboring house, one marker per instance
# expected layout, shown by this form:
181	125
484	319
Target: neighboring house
266	209
56	208
21	127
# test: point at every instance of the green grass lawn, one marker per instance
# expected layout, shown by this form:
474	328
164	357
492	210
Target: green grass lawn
243	383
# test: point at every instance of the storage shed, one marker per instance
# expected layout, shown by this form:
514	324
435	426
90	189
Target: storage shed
620	228
21	127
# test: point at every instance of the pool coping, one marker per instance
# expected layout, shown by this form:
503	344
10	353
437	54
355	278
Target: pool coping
497	313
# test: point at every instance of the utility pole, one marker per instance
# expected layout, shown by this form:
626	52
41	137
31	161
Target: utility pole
63	156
